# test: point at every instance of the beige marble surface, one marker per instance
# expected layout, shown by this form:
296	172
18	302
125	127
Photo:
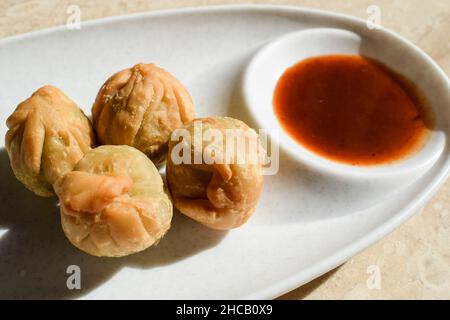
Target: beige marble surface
412	262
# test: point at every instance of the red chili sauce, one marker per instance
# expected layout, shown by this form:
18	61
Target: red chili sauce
351	109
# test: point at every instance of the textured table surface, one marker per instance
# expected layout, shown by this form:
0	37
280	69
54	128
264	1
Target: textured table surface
414	261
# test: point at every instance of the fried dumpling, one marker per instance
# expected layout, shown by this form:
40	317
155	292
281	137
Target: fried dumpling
140	107
212	180
48	134
114	203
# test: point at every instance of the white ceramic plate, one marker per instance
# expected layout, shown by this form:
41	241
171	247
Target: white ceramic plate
306	223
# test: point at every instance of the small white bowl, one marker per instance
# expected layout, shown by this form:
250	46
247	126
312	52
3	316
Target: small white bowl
266	67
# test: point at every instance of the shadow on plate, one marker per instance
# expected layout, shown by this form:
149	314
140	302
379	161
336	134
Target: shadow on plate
35	253
305	290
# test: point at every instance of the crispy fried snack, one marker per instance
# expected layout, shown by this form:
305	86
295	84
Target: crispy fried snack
48	134
140	107
222	190
114	203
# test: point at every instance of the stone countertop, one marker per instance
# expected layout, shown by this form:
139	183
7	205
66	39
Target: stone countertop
414	261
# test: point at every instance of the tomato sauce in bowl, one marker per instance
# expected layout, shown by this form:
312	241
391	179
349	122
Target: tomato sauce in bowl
351	109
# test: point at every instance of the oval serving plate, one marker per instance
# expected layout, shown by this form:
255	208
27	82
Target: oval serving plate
306	223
